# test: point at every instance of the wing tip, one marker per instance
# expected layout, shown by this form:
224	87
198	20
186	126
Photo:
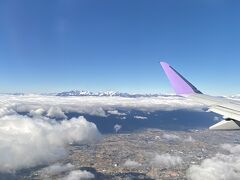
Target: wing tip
179	83
163	63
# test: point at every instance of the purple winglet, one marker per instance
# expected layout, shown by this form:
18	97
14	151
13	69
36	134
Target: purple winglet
178	82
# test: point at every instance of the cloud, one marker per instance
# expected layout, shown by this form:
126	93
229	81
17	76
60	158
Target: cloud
6	109
166	161
58	106
27	142
130	163
140	117
170	137
56	112
117	127
221	166
37	112
189	139
116	112
30	135
231	148
78	175
216	119
56	169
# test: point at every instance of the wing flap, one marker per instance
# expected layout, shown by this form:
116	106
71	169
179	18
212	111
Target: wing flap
226	112
225	125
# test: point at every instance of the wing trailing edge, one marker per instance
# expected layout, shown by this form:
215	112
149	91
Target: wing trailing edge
226	125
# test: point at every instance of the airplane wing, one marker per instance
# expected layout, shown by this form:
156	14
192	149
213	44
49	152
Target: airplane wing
230	110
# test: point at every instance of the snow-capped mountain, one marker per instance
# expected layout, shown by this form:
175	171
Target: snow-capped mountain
85	93
105	93
235	97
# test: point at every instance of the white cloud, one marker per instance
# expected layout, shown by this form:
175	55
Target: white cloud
231	148
189	139
130	163
78	175
170	137
166	161
37	138
216	119
6	110
219	167
116	112
37	112
117	127
140	117
27	142
92	105
56	169
56	112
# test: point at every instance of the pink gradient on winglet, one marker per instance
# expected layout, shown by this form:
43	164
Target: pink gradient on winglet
178	82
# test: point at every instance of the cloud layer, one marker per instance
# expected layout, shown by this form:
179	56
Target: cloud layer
56	107
34	129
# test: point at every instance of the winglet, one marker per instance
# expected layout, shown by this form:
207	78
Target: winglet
178	82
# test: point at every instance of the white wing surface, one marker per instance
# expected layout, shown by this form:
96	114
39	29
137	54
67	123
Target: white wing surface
229	109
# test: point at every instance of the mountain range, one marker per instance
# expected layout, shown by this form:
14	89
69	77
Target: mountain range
105	93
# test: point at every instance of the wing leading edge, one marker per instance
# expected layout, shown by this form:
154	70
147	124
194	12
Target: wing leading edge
230	110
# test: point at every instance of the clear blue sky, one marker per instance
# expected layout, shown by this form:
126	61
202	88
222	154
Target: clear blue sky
56	45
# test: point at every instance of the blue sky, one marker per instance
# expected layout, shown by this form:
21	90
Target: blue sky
57	45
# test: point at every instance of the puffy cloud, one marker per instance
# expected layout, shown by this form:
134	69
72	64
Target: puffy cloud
189	139
166	161
140	117
216	119
231	148
59	168
6	110
219	167
117	127
56	112
78	175
116	112
27	142
130	163
37	112
56	169
170	137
